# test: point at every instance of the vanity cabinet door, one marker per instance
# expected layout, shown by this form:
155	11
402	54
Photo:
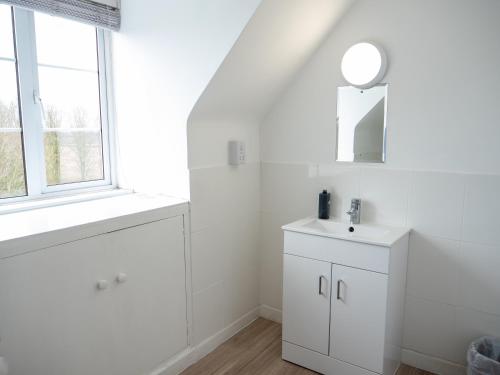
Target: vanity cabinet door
53	318
358	313
149	296
306	302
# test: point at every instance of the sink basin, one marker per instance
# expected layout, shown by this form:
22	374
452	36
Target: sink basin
366	233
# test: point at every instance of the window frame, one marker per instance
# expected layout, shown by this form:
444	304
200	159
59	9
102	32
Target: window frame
30	113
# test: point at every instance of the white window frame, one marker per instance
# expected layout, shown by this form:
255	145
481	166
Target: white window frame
31	108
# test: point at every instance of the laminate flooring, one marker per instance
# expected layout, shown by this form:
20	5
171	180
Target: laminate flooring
257	350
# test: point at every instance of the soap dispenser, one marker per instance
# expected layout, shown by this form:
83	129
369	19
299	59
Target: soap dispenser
324	205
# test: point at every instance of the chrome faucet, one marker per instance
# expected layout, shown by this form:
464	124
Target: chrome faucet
355	212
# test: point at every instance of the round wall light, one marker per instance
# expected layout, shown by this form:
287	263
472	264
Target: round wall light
364	65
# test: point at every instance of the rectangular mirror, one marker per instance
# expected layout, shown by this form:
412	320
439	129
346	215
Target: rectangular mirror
361	124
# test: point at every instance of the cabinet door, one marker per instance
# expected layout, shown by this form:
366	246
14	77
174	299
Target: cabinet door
306	302
150	322
358	317
53	320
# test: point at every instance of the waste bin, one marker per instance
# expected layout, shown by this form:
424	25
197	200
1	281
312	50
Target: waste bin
483	357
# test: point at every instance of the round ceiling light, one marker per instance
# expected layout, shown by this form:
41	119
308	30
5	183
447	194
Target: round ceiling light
364	65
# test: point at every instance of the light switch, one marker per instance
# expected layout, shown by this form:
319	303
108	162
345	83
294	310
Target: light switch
237	153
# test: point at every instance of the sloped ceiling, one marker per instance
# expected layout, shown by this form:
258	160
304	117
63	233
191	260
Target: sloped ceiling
276	42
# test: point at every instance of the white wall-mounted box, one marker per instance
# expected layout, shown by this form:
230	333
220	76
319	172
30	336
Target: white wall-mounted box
237	152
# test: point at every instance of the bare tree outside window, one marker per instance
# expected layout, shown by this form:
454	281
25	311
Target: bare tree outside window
74	153
11	152
52	153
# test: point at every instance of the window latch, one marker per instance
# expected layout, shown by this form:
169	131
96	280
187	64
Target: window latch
38	100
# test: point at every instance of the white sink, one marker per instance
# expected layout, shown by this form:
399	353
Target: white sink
366	233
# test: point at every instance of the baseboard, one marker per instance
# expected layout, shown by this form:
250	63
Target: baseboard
210	344
177	363
431	364
193	354
270	313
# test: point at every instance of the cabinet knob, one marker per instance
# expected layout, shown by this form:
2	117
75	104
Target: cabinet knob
102	284
121	278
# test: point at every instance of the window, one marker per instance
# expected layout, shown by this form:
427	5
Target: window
54	132
12	176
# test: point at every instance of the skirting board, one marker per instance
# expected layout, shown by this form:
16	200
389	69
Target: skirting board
193	354
431	364
270	313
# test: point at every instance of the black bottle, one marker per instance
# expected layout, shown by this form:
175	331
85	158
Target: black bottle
324	205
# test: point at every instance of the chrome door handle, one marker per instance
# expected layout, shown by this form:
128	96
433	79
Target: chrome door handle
320	287
339	282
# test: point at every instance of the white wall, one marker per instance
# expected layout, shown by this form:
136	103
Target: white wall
225	200
443	164
443	78
164	56
225	225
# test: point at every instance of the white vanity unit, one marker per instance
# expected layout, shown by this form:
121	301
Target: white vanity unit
97	287
343	296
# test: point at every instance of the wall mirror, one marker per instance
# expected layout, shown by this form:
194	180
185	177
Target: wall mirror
361	124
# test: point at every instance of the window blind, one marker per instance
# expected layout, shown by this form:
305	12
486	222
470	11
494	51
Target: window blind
102	13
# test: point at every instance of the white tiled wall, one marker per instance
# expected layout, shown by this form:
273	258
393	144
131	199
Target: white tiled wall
432	268
453	293
441	177
443	116
224	245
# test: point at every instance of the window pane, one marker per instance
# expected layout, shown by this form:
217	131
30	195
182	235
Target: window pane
9	112
12	177
6	37
12	183
73	144
66	43
73	156
69	88
72	98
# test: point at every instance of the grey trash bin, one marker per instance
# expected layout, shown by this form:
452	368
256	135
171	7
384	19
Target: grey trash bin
483	357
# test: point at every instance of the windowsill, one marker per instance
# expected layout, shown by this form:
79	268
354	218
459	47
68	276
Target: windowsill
35	229
58	200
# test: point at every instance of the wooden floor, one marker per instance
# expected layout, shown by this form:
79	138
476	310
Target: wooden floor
257	350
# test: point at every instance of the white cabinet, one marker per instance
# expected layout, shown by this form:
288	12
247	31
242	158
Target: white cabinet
55	320
339	318
306	298
358	317
149	306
